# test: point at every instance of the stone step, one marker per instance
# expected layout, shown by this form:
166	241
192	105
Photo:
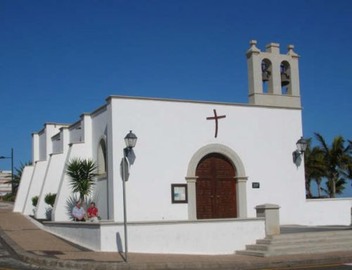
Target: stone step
313	235
280	252
252	253
298	250
308	240
302	248
300	243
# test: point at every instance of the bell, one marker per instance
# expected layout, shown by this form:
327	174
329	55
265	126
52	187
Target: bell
265	72
265	75
285	79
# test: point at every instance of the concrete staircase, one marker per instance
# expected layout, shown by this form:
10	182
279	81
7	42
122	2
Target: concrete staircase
301	243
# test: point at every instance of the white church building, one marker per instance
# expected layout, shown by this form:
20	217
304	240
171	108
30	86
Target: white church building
200	173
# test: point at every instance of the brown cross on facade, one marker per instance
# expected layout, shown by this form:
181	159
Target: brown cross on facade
216	117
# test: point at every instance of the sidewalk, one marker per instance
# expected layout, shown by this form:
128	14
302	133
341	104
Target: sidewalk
36	246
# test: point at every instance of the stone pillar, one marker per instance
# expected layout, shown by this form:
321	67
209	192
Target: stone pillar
272	220
241	196
192	205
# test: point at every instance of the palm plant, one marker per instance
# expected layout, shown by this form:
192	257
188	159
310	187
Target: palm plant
81	174
339	186
338	160
314	167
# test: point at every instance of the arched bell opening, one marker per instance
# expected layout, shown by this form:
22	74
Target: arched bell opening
285	75
267	76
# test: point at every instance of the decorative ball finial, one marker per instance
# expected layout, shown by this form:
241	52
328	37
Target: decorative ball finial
253	42
253	48
290	51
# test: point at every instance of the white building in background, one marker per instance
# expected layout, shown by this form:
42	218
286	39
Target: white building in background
5	185
201	167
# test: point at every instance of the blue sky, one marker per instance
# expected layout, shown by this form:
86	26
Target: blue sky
59	59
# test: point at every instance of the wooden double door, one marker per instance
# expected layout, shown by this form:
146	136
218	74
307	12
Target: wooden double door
216	188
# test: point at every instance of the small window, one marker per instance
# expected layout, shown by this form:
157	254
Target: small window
102	164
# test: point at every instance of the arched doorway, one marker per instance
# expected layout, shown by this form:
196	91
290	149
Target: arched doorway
216	188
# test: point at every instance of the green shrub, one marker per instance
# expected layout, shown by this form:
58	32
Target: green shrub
9	197
50	199
35	201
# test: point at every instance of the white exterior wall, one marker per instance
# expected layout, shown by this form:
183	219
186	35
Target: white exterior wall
76	133
23	189
170	132
52	169
54	173
42	146
100	132
203	237
57	145
35	186
336	211
77	149
35	147
45	142
62	210
263	138
214	237
260	140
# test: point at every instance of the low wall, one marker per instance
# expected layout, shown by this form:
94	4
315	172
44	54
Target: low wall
85	234
223	236
332	211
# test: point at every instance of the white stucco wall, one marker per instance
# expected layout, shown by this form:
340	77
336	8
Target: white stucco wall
62	210
23	189
35	186
200	237
188	237
53	176
99	125
99	132
42	145
170	132
336	211
45	140
260	140
57	145
76	132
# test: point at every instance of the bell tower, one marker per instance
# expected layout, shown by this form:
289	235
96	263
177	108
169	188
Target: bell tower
273	78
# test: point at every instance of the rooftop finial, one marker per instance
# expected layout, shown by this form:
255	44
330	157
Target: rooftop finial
253	42
290	51
253	48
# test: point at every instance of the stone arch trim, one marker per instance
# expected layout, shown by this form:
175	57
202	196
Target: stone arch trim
241	178
216	148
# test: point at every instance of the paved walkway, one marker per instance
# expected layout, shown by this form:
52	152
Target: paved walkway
36	246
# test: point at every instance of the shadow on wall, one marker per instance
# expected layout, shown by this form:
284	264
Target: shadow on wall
119	243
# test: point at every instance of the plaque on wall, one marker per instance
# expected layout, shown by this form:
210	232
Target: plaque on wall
255	185
179	193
